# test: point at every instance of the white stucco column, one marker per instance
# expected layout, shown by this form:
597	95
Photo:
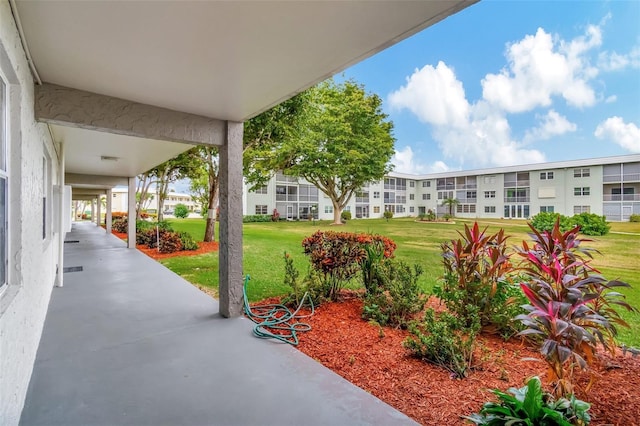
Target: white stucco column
93	210
108	212
230	255
131	213
98	210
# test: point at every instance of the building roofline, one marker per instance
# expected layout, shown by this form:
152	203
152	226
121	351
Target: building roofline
523	167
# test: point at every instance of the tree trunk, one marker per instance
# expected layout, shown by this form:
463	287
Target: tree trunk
210	230
337	211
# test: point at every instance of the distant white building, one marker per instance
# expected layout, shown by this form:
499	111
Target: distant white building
120	200
605	186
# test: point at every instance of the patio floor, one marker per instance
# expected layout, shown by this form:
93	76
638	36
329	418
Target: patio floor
128	342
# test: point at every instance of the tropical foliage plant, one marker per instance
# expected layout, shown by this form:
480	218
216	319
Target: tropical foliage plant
571	307
531	406
476	277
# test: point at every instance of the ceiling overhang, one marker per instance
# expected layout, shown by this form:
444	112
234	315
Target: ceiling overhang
226	61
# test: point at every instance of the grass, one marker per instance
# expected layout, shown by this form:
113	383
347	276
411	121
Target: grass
418	242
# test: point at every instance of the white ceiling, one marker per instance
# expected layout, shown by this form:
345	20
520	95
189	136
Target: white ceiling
228	60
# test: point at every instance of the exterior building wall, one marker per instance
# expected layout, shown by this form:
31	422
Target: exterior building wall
33	174
567	188
120	201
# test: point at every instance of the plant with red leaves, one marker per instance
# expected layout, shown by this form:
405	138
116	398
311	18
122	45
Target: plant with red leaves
571	306
476	269
338	256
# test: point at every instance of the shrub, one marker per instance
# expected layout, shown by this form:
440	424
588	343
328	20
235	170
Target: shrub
118	215
422	216
531	406
345	215
146	237
188	243
337	256
170	242
181	211
431	215
544	221
275	216
591	224
634	218
476	268
120	225
388	214
571	307
257	218
445	341
447	217
399	298
310	285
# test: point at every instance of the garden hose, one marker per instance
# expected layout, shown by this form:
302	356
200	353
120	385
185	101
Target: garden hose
276	321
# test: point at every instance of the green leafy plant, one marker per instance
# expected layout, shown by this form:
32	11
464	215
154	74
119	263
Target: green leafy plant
188	243
252	218
634	218
476	268
544	221
169	242
591	224
120	225
398	298
444	340
388	214
531	406
345	215
181	211
371	267
311	284
571	308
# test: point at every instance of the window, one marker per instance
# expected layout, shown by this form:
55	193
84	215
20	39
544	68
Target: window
411	196
581	209
489	209
412	184
546	176
261	209
426	184
581	191
581	172
411	209
489	180
328	209
546	209
471	194
489	194
4	177
261	190
428	196
376	194
424	196
376	209
347	209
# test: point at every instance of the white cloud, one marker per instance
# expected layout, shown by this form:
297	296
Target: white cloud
477	135
438	167
613	61
611	99
540	68
404	162
627	135
551	124
434	95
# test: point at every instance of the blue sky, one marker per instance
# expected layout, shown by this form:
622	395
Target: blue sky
513	82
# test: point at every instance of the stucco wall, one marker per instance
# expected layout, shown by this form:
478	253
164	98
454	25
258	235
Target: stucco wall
32	261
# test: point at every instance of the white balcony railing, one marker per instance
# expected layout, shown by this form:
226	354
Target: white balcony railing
621	197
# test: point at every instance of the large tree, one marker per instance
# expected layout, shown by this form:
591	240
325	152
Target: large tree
341	141
179	167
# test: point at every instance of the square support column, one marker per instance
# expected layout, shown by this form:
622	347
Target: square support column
108	217
131	213
230	254
93	210
99	210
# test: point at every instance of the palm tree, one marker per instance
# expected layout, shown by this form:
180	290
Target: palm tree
450	202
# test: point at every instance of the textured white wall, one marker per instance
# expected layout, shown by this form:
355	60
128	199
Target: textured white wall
32	264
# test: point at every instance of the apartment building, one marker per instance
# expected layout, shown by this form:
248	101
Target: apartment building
607	186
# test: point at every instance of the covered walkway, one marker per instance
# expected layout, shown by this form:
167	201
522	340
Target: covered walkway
128	342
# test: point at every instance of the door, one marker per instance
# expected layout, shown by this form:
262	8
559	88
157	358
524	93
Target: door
626	212
289	212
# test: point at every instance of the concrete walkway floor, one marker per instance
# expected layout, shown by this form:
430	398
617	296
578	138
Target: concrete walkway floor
128	342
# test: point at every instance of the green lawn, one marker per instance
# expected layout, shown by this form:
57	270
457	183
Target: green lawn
418	242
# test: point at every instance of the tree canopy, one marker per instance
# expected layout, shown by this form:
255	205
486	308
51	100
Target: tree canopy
337	138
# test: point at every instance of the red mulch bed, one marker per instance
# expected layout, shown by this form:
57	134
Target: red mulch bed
155	254
377	362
